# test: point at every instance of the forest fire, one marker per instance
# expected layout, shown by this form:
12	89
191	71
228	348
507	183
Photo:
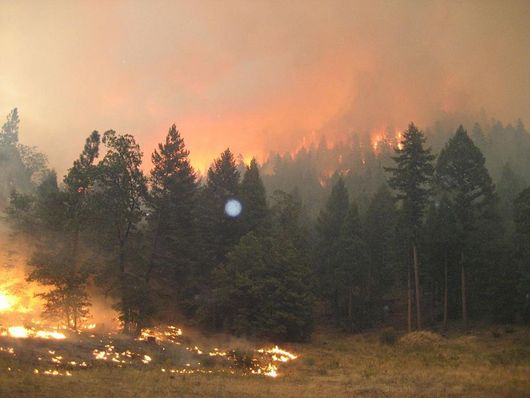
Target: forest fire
60	352
6	301
58	355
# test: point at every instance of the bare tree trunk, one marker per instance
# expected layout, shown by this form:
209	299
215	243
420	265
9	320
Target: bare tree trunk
446	295
463	284
350	310
417	285
409	301
154	250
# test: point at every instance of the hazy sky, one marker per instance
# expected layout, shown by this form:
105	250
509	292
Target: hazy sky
255	75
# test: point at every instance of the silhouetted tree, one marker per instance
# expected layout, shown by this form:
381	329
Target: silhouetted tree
411	179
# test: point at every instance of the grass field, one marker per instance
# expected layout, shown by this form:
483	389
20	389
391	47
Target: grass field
484	363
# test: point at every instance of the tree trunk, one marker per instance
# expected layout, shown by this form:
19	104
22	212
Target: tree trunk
446	295
417	285
463	284
154	250
409	301
350	309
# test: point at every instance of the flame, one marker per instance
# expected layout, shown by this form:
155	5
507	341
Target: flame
6	301
21	332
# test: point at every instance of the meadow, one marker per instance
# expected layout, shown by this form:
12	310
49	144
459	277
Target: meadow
485	362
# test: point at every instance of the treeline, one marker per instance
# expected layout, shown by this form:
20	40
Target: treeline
431	244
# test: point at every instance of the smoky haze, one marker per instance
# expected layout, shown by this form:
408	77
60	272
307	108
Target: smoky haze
257	76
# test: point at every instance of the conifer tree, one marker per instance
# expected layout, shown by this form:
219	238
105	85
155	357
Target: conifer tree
522	250
462	175
171	203
411	180
509	186
265	289
9	132
381	225
352	272
441	241
253	198
218	229
328	228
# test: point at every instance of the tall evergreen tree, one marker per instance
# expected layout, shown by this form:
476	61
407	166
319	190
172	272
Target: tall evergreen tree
13	173
441	241
218	229
9	132
509	186
352	273
329	226
462	175
381	225
171	219
411	180
266	286
522	250
253	198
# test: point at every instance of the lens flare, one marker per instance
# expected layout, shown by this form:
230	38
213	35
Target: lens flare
233	208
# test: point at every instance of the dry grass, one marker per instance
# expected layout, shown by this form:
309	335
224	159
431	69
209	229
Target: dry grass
421	338
332	365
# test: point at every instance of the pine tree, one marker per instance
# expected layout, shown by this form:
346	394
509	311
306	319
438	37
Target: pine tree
9	132
13	174
381	237
171	219
441	241
522	250
352	272
218	230
411	180
509	186
328	228
265	289
462	175
253	198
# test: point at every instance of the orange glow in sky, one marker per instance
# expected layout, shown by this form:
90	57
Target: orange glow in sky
255	76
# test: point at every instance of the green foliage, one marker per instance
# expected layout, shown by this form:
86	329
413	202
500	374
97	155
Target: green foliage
381	228
66	300
412	176
21	166
328	228
120	192
264	290
171	220
522	250
462	176
9	132
219	232
253	198
509	186
352	273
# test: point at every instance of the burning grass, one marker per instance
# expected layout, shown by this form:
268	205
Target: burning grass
476	365
164	349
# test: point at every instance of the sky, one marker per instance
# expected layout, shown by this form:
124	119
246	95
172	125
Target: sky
255	75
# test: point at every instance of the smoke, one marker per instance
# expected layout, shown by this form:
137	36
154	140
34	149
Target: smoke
257	76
